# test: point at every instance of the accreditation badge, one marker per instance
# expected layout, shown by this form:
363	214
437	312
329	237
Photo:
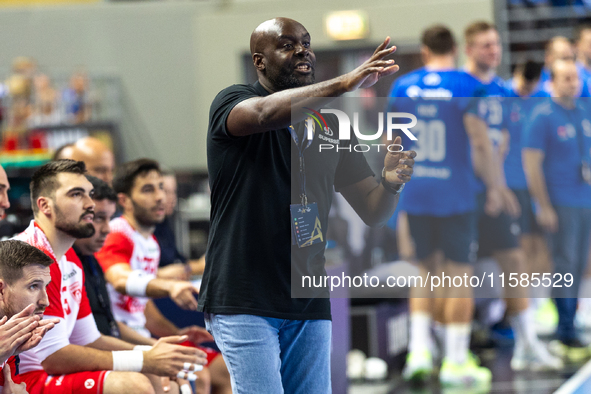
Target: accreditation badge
306	229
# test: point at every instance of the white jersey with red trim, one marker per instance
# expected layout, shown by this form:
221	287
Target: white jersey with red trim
126	245
67	301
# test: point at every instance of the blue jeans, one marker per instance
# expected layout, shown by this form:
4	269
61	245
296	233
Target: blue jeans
569	248
274	356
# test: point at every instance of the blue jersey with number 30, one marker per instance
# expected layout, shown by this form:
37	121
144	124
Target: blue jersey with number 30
492	109
442	180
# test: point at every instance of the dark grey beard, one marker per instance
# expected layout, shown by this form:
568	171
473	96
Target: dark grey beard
290	81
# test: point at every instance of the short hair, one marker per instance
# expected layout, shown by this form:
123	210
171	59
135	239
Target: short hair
127	173
550	44
439	39
44	180
58	153
102	190
529	69
580	29
553	73
16	255
475	28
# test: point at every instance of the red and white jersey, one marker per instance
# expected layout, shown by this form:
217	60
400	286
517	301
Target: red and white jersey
13	368
126	245
67	301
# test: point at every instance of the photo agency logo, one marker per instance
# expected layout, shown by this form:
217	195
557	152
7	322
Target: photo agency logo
330	140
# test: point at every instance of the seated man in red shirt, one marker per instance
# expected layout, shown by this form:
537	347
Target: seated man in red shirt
24	275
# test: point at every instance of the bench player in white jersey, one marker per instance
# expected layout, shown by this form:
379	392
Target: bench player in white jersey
76	358
24	275
21	267
130	255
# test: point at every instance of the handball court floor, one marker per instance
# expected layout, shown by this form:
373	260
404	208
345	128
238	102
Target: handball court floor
574	379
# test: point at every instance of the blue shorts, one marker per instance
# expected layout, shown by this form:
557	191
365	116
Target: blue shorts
495	233
527	221
454	235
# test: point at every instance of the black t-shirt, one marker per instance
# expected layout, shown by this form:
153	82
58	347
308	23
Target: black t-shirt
98	296
248	262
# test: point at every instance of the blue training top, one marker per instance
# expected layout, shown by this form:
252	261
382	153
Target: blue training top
564	135
519	110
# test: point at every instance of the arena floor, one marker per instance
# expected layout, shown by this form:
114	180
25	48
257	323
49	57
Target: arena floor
574	379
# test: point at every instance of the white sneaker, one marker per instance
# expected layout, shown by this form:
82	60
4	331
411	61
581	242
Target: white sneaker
419	366
535	358
583	319
356	364
376	369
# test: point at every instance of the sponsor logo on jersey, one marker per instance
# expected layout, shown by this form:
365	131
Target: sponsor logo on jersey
149	265
76	291
413	91
434	94
515	115
59	380
432	172
89	383
432	79
68	276
566	132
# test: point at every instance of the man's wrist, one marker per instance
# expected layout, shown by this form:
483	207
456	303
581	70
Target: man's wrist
128	360
391	188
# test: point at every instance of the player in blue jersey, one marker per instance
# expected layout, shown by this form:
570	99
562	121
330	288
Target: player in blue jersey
557	159
498	234
440	204
560	48
583	50
524	94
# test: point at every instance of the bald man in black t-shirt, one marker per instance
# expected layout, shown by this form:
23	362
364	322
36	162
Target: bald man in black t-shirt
272	342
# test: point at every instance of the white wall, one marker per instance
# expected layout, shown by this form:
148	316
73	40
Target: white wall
173	57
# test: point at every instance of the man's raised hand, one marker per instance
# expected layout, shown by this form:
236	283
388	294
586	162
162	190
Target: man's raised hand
16	331
372	69
399	165
38	333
